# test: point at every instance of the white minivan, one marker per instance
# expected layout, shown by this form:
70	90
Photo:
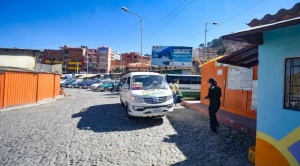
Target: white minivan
145	94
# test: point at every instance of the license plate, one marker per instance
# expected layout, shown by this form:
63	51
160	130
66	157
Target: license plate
157	110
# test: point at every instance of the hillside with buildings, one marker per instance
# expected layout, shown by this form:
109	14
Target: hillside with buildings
216	48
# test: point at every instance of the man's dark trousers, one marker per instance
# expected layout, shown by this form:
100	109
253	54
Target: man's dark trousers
213	109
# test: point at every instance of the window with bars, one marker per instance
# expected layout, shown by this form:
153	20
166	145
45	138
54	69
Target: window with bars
292	84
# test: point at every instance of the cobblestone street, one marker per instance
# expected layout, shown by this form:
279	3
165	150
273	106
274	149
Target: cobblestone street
91	128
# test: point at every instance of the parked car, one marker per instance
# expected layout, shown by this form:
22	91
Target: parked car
79	84
64	82
88	83
71	85
67	83
106	85
95	85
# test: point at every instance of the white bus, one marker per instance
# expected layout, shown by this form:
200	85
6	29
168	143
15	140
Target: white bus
189	85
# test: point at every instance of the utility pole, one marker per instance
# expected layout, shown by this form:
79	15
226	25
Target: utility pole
87	64
123	65
77	66
141	21
214	23
66	64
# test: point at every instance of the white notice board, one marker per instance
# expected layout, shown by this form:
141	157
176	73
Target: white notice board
240	78
254	95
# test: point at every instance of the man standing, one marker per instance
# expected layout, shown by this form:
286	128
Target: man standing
175	90
214	94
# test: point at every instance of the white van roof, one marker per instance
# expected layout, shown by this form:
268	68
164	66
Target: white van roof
141	73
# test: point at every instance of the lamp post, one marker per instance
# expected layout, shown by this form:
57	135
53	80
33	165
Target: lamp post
77	66
214	23
141	21
87	64
122	65
66	64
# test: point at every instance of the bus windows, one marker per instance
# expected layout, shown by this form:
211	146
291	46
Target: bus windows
184	80
195	80
170	79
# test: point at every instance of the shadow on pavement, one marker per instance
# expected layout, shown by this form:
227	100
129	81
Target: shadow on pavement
112	117
113	94
202	147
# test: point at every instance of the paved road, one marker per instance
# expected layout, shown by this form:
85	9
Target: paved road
90	128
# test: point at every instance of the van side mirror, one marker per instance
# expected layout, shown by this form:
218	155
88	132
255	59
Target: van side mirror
125	86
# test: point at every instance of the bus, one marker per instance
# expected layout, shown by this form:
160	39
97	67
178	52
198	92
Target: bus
189	85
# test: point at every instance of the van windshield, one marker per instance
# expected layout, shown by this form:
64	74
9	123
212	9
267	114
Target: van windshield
145	82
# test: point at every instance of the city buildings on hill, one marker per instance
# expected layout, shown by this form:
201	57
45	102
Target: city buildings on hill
86	60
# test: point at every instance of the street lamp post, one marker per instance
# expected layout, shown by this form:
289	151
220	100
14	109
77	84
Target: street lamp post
77	66
122	65
66	64
141	21
214	23
87	64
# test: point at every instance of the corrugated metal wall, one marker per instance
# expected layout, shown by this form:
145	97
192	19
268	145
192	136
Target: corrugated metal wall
235	101
45	86
1	89
20	88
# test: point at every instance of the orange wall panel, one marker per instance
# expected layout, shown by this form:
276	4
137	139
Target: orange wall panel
20	88
236	99
1	89
45	86
56	85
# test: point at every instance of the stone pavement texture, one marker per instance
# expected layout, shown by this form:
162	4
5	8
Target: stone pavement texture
91	128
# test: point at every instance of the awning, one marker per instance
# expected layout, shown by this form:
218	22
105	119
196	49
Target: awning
255	35
245	57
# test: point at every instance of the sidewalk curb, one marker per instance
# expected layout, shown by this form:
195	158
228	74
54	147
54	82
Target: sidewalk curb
45	101
230	119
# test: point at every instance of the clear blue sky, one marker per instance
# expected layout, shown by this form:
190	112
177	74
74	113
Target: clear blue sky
48	24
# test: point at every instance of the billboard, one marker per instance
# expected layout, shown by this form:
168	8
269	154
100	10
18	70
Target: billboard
171	56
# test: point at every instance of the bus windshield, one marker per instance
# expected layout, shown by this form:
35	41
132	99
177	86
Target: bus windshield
145	82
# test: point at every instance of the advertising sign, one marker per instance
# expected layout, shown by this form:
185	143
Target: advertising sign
172	56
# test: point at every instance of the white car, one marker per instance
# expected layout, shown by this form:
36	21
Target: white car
145	94
94	86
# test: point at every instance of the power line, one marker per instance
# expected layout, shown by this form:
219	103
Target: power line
154	24
241	12
222	22
160	27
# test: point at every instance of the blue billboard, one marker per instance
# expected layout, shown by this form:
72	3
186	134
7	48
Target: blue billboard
171	56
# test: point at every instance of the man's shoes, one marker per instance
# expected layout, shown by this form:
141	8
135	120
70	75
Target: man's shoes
213	129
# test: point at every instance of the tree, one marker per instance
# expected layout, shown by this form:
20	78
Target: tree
221	50
215	43
201	45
